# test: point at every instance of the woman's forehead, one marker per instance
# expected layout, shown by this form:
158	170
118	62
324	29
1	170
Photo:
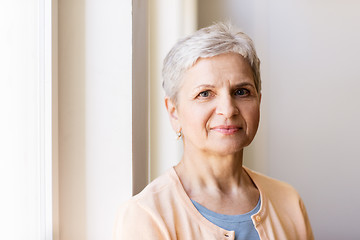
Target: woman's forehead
230	67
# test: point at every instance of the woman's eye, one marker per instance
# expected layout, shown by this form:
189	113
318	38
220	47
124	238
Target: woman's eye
241	92
204	94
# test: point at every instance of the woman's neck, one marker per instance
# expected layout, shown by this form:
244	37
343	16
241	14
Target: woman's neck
210	171
217	182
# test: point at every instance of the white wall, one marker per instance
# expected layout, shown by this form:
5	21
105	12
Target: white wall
95	115
25	120
55	123
310	107
19	84
169	20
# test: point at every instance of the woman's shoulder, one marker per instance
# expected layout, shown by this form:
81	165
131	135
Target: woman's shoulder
271	186
160	187
159	193
281	201
145	209
159	184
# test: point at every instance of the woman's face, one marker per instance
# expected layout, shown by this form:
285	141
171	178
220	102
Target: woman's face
217	106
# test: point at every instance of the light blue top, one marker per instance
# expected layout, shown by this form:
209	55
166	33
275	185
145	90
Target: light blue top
241	224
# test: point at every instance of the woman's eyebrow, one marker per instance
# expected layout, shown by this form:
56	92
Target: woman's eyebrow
210	86
243	84
204	86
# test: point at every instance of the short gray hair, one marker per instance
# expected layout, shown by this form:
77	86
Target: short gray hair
207	42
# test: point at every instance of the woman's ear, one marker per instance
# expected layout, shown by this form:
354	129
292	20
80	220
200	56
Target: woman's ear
173	113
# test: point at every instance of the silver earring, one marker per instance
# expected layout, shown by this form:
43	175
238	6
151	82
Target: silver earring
179	134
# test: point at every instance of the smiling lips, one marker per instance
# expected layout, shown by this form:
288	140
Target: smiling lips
226	129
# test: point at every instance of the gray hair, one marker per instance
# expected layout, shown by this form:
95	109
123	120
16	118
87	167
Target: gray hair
207	42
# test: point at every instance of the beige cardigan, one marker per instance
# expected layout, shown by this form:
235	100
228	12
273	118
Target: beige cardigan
164	211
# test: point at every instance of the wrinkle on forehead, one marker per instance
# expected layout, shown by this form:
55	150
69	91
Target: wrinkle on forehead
225	67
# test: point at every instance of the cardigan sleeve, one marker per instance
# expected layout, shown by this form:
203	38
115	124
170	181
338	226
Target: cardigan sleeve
135	222
308	230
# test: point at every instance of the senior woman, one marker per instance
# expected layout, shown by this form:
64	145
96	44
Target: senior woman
212	86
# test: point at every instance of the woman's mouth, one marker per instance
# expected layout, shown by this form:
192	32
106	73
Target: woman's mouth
227	130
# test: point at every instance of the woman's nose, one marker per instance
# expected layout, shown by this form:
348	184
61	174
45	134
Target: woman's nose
227	107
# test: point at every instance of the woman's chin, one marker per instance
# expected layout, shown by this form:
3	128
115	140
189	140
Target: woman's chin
230	147
227	150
